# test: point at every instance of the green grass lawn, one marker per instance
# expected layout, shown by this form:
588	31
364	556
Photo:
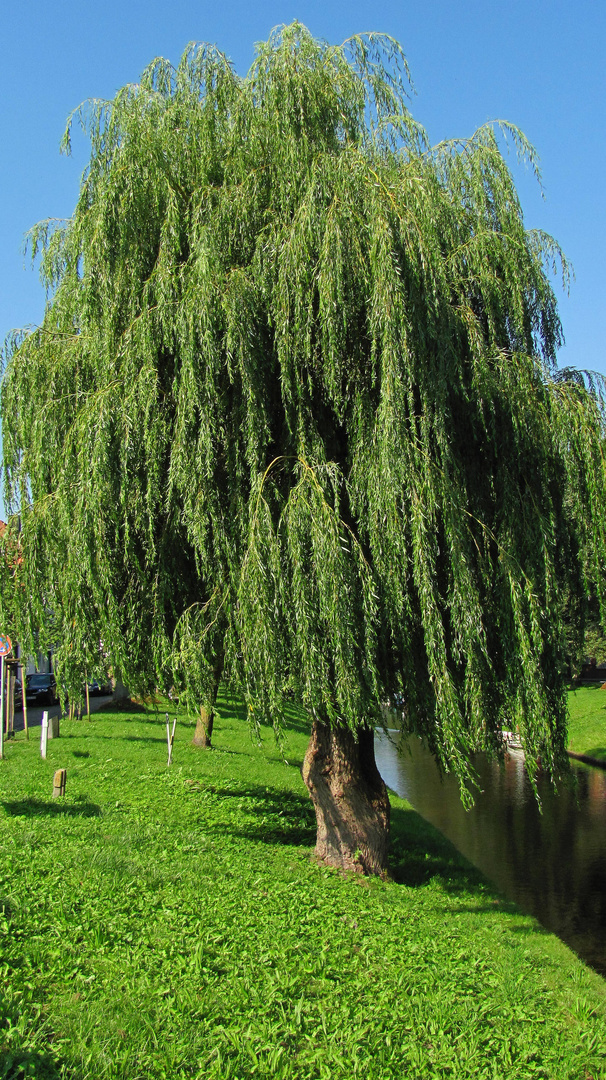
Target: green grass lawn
587	723
172	923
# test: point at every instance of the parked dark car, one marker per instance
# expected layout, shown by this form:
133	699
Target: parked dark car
18	695
96	688
41	688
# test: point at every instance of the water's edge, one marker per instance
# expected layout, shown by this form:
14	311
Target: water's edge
552	864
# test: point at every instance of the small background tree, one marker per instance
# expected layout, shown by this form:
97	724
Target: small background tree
291	418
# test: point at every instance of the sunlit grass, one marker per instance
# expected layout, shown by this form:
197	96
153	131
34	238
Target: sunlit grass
587	725
172	923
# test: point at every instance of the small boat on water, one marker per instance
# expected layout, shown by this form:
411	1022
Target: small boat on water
513	742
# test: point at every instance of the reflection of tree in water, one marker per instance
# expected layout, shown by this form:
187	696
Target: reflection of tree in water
595	780
553	864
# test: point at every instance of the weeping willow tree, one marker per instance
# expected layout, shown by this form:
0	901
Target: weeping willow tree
291	420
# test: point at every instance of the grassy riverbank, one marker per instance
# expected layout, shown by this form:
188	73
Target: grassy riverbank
587	724
171	923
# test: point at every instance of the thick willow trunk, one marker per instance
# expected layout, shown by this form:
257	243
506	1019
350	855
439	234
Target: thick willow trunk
350	799
205	722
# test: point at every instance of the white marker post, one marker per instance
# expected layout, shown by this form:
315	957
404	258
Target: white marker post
44	736
170	738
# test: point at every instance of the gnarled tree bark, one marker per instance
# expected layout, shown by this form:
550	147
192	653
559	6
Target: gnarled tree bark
349	797
204	727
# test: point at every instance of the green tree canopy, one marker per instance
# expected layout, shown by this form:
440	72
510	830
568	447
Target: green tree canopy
293	403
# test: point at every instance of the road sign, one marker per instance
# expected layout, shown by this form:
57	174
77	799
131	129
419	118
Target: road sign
5	645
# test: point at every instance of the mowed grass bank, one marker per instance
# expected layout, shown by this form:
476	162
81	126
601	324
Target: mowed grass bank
587	723
172	923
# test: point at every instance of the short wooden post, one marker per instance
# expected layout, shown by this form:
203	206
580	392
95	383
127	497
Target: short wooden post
53	727
44	736
59	780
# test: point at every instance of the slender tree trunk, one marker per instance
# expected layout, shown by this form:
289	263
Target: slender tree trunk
204	727
23	681
205	722
349	797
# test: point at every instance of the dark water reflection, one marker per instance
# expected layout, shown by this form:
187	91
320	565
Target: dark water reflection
553	865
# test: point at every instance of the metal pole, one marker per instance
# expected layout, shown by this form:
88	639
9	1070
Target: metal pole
1	706
24	701
10	702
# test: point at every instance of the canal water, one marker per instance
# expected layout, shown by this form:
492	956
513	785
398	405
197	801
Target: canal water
552	864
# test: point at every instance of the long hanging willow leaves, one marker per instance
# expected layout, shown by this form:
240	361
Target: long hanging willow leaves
293	399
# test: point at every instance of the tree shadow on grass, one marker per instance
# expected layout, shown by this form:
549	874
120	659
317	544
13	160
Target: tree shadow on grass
286	817
419	852
18	1064
230	708
122	738
147	716
56	808
296	719
143	738
529	927
123	706
286	836
498	905
234	708
293	763
597	752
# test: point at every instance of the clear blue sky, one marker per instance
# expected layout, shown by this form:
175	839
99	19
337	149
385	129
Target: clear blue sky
537	63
